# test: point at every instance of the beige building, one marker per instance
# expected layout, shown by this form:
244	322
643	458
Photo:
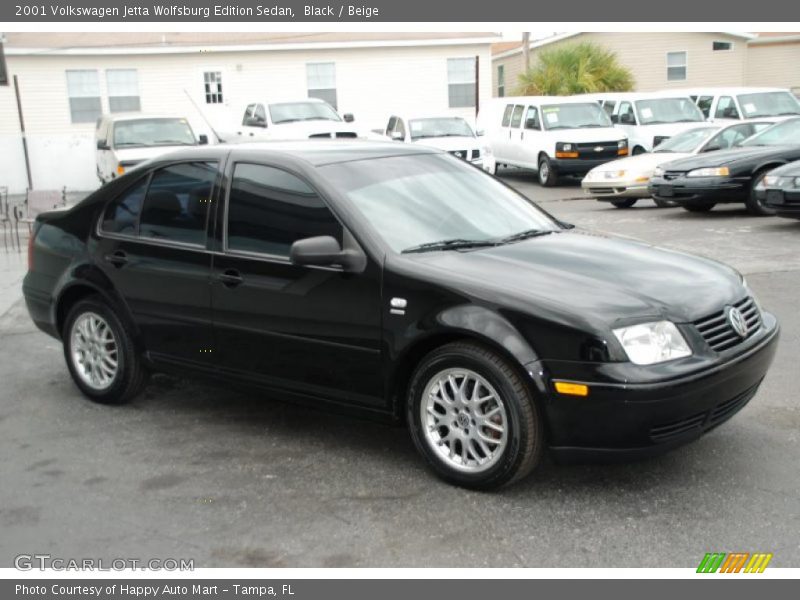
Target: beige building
673	60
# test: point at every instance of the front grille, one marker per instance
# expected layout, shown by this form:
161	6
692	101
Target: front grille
718	332
346	134
476	154
658	139
670	175
662	433
594	150
727	409
338	134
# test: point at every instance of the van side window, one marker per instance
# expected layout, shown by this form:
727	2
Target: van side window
507	115
626	114
248	112
516	117
122	213
390	126
260	114
608	106
704	104
269	209
401	128
726	109
532	118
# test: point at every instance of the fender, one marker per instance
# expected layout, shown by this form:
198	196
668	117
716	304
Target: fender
771	164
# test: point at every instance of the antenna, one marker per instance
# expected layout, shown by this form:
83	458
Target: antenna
202	114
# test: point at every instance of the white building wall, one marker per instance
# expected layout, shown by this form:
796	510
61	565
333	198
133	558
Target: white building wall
371	84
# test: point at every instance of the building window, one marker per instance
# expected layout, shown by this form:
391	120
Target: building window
501	80
676	66
83	88
3	68
461	82
321	78
717	46
123	90
213	87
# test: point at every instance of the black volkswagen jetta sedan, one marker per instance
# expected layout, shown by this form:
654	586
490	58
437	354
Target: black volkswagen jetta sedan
400	282
698	183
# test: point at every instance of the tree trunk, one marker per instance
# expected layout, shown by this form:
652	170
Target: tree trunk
526	51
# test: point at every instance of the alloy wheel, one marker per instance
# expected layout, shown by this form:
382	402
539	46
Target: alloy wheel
94	351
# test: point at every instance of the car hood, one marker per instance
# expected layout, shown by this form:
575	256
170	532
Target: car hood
587	134
137	155
450	143
641	163
583	277
667	129
304	129
724	157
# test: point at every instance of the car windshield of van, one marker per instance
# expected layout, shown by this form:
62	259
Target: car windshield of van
290	112
687	141
769	104
429	202
138	133
668	110
574	116
439	127
785	133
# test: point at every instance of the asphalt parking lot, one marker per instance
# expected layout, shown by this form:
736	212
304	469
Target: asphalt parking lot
190	471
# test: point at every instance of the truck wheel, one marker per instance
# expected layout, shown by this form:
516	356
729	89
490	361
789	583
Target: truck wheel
753	204
547	177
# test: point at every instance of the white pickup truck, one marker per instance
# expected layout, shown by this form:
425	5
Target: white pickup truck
295	120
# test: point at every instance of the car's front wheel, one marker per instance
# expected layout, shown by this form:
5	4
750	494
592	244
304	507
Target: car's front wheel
627	203
755	205
547	176
473	418
100	353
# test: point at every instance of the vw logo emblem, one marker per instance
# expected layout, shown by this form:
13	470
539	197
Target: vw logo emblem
737	322
598	148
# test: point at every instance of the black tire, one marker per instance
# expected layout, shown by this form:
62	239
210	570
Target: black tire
627	203
525	442
130	376
699	207
547	177
753	204
664	203
638	150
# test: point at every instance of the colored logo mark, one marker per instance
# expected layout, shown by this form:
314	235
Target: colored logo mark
734	562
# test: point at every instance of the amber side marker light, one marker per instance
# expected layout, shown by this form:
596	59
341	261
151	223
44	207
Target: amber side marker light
120	170
566	155
572	389
622	152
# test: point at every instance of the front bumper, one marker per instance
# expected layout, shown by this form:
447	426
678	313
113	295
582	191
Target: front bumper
612	190
699	190
627	419
785	203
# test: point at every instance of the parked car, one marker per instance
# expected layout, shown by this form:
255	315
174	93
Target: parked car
552	135
622	182
779	190
649	119
125	140
448	133
291	120
701	182
396	281
740	103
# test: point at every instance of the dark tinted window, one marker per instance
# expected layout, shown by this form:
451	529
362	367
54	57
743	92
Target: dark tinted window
122	214
269	209
177	202
704	104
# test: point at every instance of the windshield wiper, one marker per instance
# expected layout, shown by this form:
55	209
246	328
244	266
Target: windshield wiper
524	235
451	244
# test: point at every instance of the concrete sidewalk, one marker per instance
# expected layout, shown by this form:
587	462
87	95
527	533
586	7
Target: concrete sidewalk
13	266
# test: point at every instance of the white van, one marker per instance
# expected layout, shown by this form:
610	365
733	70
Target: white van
744	103
292	120
649	119
444	132
553	135
125	140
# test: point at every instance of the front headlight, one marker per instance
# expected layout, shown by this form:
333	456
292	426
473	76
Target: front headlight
651	343
777	181
658	172
709	172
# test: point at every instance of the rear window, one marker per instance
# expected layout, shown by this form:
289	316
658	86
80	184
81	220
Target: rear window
507	115
122	213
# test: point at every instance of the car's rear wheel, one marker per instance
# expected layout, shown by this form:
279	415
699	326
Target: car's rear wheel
753	204
547	176
473	418
699	207
100	353
627	203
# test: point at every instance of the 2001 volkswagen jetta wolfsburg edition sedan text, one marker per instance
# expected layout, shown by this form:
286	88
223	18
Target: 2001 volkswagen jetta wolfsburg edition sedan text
403	282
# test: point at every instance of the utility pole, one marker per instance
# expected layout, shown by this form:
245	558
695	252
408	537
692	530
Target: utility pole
526	50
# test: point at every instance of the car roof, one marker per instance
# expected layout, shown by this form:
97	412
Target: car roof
577	99
140	116
315	153
716	91
637	95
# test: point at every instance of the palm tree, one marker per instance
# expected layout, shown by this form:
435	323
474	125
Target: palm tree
575	69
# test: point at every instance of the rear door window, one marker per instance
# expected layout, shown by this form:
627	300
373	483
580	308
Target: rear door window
122	213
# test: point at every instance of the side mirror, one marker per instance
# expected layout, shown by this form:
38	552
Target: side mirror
712	148
253	122
626	118
202	139
480	133
102	145
324	251
348	117
398	136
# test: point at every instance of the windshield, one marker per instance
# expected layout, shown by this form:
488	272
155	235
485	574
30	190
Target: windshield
574	116
668	110
288	112
769	104
153	132
439	127
687	141
784	133
427	198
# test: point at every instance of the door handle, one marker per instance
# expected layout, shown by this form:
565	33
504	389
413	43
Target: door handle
117	259
230	278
